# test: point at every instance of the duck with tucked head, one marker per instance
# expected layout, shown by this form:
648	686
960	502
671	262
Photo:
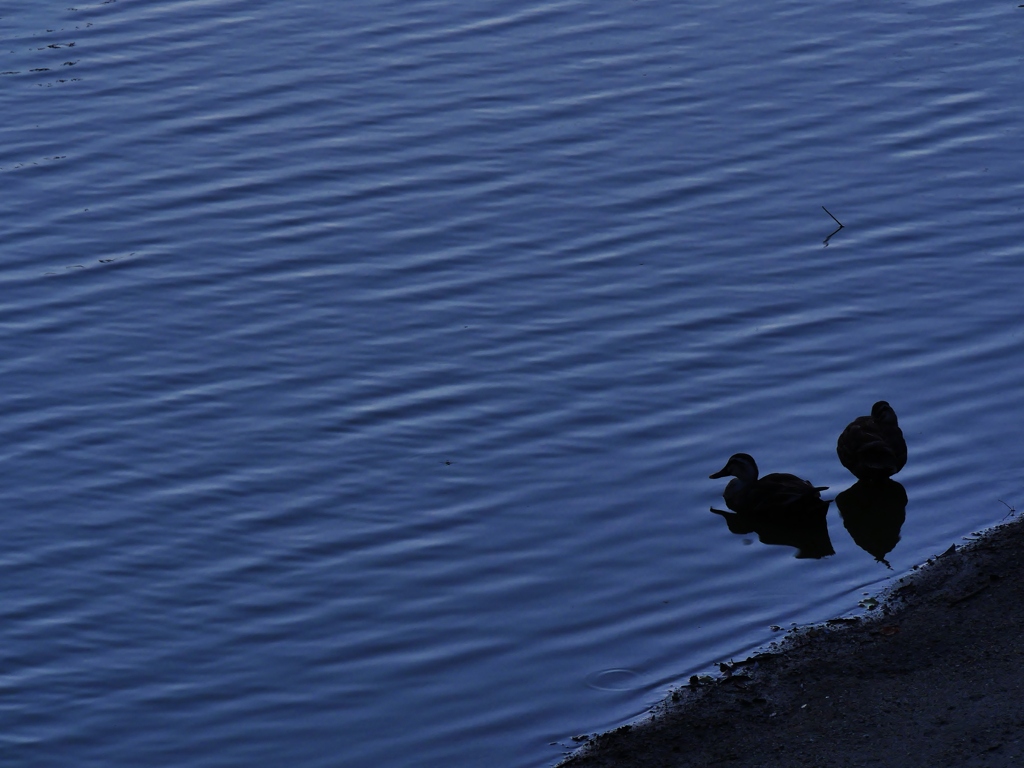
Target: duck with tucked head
872	447
777	493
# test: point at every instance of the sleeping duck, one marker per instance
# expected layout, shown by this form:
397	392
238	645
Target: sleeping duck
776	493
872	447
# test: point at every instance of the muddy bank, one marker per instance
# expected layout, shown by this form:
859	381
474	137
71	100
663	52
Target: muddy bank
933	676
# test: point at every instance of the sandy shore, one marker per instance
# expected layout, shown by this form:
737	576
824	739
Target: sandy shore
933	677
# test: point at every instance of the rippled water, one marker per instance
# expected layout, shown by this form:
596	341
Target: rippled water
363	366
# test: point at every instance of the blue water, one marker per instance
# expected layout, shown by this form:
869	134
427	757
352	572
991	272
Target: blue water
363	366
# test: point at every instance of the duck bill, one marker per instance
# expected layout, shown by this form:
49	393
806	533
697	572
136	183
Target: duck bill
720	473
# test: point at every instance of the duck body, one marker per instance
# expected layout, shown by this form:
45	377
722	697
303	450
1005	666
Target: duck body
777	494
872	447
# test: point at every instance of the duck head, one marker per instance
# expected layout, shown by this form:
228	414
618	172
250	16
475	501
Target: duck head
740	466
883	413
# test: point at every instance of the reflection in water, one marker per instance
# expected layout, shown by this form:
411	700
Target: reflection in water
873	513
804	528
780	508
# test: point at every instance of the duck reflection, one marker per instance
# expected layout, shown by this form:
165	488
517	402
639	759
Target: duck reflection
805	530
780	508
873	512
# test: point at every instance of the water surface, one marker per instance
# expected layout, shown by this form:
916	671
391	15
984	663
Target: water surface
363	367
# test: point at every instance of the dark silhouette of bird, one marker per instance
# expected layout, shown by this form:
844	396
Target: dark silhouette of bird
776	494
872	447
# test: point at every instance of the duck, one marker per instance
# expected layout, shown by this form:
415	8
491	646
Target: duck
776	494
872	447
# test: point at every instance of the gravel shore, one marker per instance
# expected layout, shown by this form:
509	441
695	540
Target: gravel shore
933	677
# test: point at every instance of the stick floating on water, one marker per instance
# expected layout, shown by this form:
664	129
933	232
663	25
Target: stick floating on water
837	221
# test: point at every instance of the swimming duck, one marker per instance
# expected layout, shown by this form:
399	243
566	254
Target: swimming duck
777	493
872	447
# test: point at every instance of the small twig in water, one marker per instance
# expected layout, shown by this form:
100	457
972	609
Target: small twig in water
837	221
1012	511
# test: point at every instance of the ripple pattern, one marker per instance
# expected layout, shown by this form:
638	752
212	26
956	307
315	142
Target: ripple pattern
363	366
